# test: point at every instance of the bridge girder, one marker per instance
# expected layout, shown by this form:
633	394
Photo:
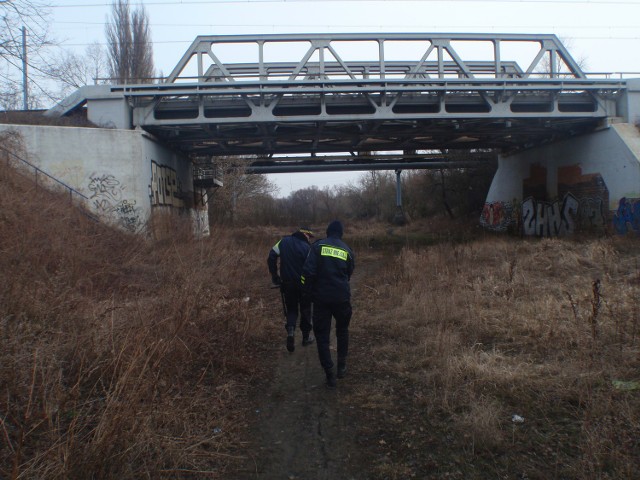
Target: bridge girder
306	94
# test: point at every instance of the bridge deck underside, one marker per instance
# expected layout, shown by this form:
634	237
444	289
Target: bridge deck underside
358	116
360	135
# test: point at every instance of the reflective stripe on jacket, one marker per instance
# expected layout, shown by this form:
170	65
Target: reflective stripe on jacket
327	271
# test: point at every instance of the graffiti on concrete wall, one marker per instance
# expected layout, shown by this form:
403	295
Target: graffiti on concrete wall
592	192
627	217
580	205
107	197
577	202
128	214
549	219
165	189
591	214
105	190
498	216
562	217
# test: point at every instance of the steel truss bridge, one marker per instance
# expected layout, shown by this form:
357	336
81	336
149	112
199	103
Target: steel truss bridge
344	101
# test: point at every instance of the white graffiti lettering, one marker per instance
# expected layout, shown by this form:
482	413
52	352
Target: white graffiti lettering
549	219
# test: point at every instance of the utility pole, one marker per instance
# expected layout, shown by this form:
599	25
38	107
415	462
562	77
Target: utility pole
25	85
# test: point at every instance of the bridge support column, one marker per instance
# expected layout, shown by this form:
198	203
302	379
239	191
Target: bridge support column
399	218
588	183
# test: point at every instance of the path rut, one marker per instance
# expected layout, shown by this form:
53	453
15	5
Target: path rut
302	430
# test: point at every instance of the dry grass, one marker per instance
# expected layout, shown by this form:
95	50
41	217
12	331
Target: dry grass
120	358
125	358
468	335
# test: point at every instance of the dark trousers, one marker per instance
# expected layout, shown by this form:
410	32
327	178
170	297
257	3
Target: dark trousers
296	306
322	313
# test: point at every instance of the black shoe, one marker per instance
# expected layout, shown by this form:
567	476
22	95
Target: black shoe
342	370
307	340
331	378
291	340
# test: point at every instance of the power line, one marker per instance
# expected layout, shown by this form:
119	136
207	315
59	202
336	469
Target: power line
207	2
404	26
32	80
171	42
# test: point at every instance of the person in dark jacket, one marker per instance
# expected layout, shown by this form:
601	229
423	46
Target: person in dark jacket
292	251
325	279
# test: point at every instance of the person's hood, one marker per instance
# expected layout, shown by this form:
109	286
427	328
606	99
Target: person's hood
335	229
299	235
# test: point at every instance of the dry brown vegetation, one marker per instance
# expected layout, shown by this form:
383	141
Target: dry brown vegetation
465	336
78	119
119	358
130	358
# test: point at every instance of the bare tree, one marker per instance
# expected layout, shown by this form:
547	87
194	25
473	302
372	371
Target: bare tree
97	63
130	48
304	205
235	198
10	96
374	194
14	16
547	67
73	71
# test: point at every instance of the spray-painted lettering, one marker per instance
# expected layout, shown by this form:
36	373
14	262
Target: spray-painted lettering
165	188
627	216
105	189
549	219
591	214
106	195
497	216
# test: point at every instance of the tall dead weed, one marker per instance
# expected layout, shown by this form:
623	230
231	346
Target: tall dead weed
119	356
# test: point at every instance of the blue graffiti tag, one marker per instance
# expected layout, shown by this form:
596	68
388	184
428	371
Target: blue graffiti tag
628	214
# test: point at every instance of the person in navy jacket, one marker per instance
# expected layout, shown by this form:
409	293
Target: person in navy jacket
292	251
325	279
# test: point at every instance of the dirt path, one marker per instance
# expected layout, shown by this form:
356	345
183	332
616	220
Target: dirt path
304	431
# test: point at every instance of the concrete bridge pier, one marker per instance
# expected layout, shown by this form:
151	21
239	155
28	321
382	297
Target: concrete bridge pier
589	183
399	218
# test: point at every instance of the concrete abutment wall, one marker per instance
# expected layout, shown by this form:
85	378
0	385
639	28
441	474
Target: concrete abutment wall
126	176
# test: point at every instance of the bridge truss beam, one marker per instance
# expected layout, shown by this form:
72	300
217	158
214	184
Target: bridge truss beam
281	95
297	94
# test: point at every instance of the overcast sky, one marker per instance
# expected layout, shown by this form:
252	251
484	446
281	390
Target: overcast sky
603	35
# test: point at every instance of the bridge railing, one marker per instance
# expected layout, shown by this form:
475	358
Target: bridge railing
283	71
50	180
